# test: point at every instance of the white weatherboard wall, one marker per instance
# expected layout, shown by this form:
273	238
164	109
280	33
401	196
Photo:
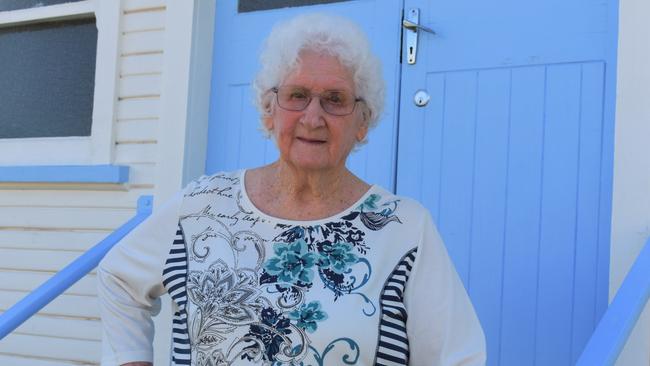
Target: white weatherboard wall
631	201
43	227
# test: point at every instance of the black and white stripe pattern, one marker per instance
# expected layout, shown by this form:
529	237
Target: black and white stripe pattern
175	280
393	344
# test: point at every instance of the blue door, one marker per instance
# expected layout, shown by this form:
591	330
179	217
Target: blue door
235	140
513	156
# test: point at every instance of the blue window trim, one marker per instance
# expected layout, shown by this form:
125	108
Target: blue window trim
113	174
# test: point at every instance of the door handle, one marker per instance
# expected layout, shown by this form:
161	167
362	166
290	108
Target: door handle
411	23
414	27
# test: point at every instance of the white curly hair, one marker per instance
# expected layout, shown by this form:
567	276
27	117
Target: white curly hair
327	34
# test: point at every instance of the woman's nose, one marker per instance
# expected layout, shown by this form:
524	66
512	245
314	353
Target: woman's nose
314	113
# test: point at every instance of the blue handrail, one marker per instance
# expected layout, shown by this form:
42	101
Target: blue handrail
609	338
73	272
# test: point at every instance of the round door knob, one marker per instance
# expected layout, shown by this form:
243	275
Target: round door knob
421	98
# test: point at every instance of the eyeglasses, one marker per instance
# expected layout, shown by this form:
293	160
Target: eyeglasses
297	98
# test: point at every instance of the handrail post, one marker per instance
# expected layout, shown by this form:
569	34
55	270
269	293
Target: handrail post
73	272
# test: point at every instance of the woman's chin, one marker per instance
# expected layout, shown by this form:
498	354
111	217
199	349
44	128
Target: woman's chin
311	163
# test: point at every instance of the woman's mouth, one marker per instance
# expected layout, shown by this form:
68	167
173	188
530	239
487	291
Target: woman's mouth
311	140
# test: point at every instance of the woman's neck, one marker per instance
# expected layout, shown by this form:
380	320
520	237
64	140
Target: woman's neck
282	190
308	185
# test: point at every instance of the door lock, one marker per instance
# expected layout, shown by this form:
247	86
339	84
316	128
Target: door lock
411	23
421	98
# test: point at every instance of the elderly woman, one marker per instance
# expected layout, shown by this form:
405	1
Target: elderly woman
299	262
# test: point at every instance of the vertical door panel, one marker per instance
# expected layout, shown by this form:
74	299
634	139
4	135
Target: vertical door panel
585	290
515	341
558	213
459	126
489	196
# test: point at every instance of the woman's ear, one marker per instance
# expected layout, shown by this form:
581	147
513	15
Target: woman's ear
267	117
362	132
267	120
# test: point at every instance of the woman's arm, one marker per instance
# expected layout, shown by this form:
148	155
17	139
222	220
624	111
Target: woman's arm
129	284
442	327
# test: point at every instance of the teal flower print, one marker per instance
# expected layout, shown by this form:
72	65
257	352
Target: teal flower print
292	263
370	203
337	257
307	316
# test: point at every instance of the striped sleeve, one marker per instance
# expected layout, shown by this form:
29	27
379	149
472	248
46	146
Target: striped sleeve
175	280
130	283
442	326
392	342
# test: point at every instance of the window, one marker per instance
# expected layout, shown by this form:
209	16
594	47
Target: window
245	6
58	75
6	5
48	79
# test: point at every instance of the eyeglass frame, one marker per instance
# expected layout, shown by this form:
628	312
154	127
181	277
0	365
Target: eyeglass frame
276	89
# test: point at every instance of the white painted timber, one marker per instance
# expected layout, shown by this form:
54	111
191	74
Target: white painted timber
141	64
143	21
144	108
135	153
16	360
62	327
147	85
199	91
23	280
35	259
631	198
64	305
142	173
64	217
38	151
172	130
136	130
61	239
48	13
52	348
108	16
143	5
143	42
95	199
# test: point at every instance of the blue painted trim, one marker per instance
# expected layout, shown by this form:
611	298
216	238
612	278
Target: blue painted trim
69	275
607	342
65	174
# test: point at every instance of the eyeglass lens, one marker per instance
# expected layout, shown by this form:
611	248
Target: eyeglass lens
297	98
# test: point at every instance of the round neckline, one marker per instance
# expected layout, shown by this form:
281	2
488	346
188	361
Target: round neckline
246	201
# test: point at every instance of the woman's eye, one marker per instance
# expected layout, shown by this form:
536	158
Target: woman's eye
335	98
298	95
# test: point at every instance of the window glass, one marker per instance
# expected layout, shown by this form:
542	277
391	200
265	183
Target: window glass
47	74
254	5
6	5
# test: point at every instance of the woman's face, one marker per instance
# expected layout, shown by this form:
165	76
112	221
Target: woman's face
312	139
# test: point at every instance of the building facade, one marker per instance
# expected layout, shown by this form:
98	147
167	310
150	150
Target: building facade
150	115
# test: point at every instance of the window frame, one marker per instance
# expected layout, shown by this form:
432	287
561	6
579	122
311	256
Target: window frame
74	150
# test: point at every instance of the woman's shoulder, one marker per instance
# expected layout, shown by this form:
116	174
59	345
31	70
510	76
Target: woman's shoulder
380	196
231	178
220	189
206	185
382	202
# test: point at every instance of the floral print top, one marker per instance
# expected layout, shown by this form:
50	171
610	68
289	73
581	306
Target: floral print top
372	285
